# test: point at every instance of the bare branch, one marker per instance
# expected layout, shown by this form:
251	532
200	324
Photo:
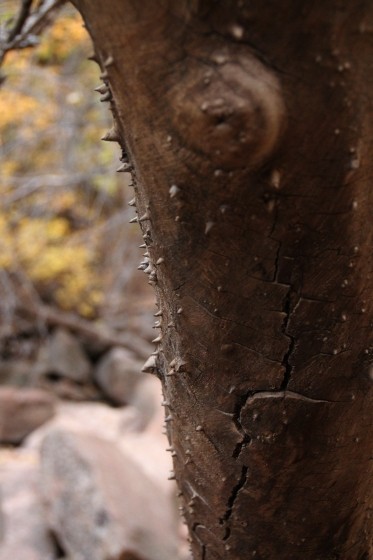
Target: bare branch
100	334
24	13
29	25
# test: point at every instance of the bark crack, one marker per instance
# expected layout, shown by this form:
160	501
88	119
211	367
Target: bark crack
286	394
237	422
287	309
232	500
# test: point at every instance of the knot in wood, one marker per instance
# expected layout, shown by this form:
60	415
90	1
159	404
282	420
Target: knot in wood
230	113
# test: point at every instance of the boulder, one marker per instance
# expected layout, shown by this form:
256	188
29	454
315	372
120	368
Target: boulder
25	532
86	417
117	374
101	505
63	357
15	372
22	411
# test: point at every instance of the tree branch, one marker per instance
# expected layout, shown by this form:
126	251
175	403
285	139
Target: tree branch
29	25
101	334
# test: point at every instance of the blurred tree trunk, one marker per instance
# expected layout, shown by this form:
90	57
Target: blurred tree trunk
249	128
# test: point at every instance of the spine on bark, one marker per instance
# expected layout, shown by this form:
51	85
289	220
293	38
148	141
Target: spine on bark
230	111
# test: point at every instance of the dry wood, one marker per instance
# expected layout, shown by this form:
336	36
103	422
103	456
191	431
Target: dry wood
248	129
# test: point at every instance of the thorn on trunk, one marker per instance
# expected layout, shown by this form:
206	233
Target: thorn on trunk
102	88
109	61
111	136
125	168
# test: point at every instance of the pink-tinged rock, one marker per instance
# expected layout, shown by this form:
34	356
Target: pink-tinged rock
25	532
22	411
101	505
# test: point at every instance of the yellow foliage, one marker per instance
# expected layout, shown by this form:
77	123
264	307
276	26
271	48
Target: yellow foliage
44	250
16	108
66	35
46	235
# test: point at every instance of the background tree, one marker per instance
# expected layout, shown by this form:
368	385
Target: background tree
60	210
248	133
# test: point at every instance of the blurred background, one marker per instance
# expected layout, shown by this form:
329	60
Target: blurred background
65	241
77	416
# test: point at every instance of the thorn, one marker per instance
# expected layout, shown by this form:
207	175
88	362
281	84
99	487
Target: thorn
180	310
104	75
157	339
102	88
171	324
146	254
157	325
209	226
134	220
133	203
172	476
199	428
155	353
173	191
144	217
169	449
165	403
125	168
93	57
109	61
158	314
111	136
170	373
143	246
173	363
150	365
106	97
141	267
173	454
168	418
160	260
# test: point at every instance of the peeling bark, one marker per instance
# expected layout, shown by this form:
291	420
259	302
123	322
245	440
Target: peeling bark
248	132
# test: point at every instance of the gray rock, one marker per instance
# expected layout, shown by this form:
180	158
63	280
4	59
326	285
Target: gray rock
15	372
101	505
25	532
22	411
117	374
63	356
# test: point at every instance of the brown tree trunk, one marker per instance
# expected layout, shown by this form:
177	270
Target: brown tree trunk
249	129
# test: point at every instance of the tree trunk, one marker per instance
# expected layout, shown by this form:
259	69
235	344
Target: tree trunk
249	131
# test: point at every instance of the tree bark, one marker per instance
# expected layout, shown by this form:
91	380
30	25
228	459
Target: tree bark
248	128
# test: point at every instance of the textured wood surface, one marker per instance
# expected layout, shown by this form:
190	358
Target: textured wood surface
248	129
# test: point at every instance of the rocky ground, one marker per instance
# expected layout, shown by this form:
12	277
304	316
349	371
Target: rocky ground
83	467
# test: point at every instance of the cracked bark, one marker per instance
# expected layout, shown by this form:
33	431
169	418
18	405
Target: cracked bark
249	132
